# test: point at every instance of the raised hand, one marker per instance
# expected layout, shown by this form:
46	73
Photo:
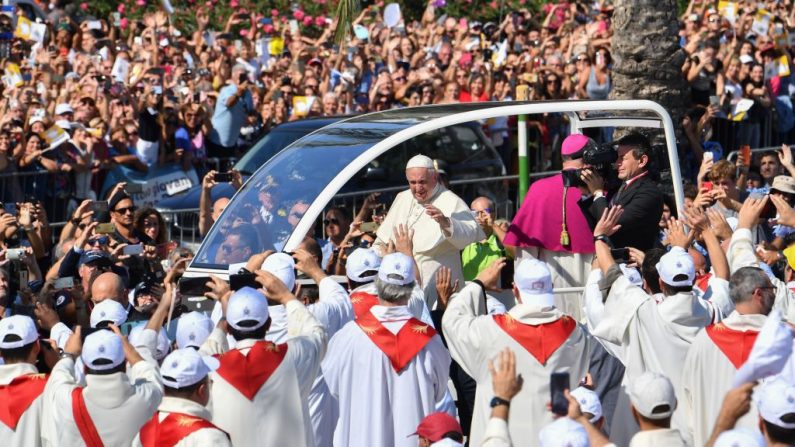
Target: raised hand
608	224
445	288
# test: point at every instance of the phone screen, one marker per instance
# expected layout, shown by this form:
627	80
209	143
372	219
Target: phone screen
558	383
196	286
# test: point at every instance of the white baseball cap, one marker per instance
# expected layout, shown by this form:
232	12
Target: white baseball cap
20	325
740	437
564	432
35	119
163	345
102	345
746	59
651	390
62	108
108	310
420	161
247	304
397	269
632	274
676	268
775	399
282	266
589	403
534	281
363	260
186	367
193	329
64	124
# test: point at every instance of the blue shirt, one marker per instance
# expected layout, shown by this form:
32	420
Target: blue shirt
227	121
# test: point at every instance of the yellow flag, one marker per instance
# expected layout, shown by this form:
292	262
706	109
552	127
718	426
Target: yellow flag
54	136
276	46
24	28
302	105
782	66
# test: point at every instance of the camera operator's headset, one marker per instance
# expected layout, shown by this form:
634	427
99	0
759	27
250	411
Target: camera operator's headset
590	145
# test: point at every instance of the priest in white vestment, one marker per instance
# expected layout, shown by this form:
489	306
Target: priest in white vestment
259	393
21	385
442	225
387	369
543	338
653	336
719	351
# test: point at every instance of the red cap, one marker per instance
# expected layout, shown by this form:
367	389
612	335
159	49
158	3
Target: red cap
573	144
436	425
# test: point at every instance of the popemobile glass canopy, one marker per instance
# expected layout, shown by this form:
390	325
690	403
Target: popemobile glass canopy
281	201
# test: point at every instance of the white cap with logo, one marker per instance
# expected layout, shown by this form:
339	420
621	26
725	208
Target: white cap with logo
632	274
775	399
589	402
193	329
162	345
651	391
676	268
397	269
534	281
108	310
186	367
564	432
247	304
20	325
282	266
361	261
102	350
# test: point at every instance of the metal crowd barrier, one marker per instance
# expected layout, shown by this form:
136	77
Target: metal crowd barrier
733	134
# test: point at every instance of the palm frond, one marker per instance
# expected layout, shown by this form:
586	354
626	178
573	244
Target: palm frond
346	13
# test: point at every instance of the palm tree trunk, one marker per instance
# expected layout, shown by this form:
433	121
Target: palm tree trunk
647	59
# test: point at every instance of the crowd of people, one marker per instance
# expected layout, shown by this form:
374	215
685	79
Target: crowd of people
675	326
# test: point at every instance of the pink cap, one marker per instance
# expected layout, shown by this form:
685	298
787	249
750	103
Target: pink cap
573	144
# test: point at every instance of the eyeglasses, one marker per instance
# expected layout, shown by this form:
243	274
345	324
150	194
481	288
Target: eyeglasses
229	249
581	59
298	215
130	209
102	240
484	210
551	81
714	19
331	221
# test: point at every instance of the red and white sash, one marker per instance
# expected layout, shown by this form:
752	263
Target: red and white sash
172	429
362	302
17	396
83	420
541	340
402	347
247	373
735	345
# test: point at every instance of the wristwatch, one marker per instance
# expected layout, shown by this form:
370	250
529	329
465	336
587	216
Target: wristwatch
66	355
603	238
496	401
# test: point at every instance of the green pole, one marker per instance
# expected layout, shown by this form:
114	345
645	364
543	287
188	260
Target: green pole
524	167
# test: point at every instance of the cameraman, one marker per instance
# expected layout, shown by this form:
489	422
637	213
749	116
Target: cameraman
638	195
560	236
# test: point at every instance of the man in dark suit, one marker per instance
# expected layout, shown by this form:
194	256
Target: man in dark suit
638	195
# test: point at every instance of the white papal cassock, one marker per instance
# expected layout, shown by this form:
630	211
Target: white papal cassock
21	403
709	368
432	247
259	393
387	370
544	340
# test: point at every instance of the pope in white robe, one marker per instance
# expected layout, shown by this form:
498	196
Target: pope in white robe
544	339
441	222
387	369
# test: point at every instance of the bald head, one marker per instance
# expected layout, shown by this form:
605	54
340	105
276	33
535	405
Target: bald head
218	207
109	286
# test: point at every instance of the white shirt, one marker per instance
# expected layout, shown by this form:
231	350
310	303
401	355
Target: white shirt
210	437
378	406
